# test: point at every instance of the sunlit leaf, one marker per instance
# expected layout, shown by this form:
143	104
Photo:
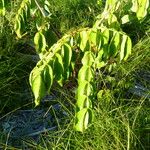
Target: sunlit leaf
67	55
142	9
83	102
38	86
88	58
58	69
93	37
134	5
125	19
17	27
21	18
84	88
123	45
112	5
2	8
84	36
85	73
113	22
83	117
40	42
128	48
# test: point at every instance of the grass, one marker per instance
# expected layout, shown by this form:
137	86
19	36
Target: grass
122	117
73	14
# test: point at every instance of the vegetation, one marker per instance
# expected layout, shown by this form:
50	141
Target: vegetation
101	62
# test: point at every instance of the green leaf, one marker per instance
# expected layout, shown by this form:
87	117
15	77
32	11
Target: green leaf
100	94
112	5
99	57
50	37
123	45
84	88
134	5
22	22
114	45
95	38
99	39
83	117
142	9
38	86
72	40
100	64
40	42
21	18
83	102
2	8
88	58
58	69
105	40
85	73
17	27
128	48
113	22
125	19
84	36
105	37
48	77
47	8
67	55
26	12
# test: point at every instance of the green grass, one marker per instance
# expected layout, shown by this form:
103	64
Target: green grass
68	14
122	119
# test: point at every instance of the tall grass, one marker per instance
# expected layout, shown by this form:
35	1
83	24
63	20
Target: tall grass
121	117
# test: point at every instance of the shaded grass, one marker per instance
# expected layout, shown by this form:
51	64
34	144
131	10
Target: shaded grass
13	83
